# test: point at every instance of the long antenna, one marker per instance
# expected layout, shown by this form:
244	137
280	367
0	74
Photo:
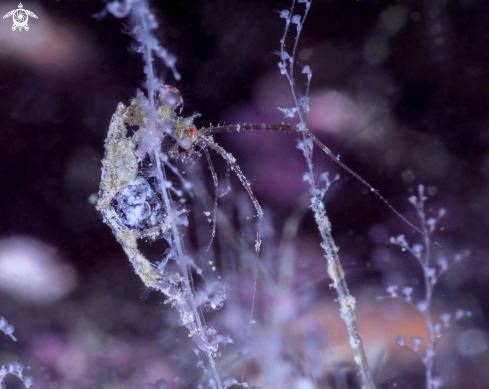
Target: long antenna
332	156
248	127
296	128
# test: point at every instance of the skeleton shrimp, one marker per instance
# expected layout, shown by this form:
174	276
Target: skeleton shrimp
127	201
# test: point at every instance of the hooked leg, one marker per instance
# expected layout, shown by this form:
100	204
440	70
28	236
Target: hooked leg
216	190
231	161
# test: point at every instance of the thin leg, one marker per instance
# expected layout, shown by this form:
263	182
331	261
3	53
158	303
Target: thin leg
216	187
228	169
297	128
228	157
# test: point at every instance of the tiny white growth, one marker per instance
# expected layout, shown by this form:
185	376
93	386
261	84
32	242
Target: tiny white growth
288	112
437	329
418	248
391	289
460	313
417	342
407	292
28	381
284	14
8	329
296	19
401	240
15	368
445	318
229	381
422	306
400	340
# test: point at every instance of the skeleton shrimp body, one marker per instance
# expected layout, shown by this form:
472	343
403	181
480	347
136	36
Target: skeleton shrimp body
129	205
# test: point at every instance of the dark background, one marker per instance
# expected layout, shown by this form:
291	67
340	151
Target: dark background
416	73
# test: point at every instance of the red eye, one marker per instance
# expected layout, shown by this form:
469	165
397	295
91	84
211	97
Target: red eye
192	130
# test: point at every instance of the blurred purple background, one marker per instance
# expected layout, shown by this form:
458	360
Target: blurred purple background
399	90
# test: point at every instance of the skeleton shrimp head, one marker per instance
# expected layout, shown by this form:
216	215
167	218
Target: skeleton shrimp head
150	135
183	130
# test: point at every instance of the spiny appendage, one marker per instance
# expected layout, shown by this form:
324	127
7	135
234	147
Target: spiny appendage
249	127
216	195
234	166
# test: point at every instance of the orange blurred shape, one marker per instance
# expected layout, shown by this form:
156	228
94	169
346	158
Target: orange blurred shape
47	46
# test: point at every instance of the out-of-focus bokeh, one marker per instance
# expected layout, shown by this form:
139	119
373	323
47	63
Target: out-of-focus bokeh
399	91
